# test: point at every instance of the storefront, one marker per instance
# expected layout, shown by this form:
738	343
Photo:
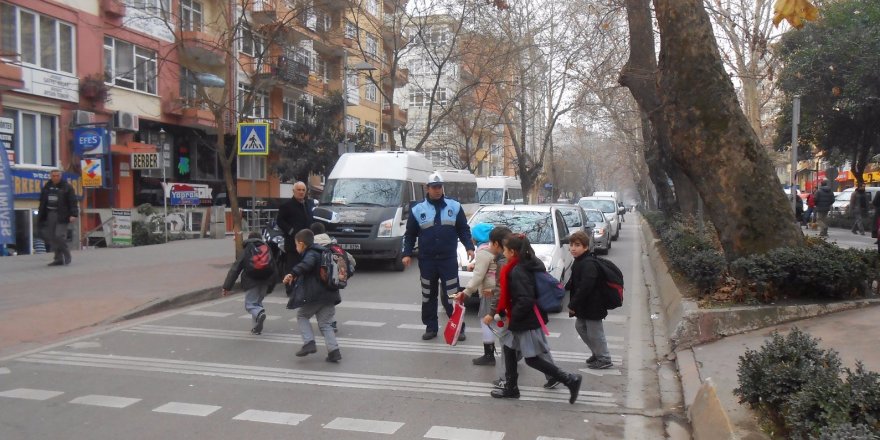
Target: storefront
27	186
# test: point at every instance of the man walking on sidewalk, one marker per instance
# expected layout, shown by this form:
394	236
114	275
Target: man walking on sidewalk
858	206
58	208
824	200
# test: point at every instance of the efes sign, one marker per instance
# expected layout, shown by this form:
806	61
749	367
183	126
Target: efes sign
29	183
91	141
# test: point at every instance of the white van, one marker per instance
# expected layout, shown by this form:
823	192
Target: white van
461	185
499	190
366	200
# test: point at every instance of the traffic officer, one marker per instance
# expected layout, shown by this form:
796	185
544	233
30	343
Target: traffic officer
437	222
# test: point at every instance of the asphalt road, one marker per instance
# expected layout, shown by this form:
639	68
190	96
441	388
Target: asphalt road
197	372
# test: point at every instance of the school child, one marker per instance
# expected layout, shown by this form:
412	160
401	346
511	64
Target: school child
323	239
256	286
312	298
586	303
482	283
517	304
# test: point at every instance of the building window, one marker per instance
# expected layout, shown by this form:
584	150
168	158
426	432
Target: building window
189	95
435	36
42	41
294	109
373	7
259	105
156	7
441	96
417	98
190	15
372	47
371	93
129	66
250	42
252	167
35	138
351	30
206	164
371	129
320	66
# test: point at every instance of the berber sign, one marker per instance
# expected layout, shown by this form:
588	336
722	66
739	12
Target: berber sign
145	161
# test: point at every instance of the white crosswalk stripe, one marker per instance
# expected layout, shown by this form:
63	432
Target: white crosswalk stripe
207	313
285	375
361	425
281	338
187	409
364	323
105	401
279	418
30	394
452	433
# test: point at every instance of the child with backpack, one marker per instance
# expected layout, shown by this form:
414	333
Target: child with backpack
258	278
311	297
517	304
587	304
324	239
482	283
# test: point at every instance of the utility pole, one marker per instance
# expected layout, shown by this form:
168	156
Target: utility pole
795	120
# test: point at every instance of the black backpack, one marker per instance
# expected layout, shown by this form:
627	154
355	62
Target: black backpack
610	284
258	263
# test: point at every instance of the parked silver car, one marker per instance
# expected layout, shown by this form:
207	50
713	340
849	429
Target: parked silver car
574	216
601	239
608	206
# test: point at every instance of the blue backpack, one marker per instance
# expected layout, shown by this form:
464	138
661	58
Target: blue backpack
549	292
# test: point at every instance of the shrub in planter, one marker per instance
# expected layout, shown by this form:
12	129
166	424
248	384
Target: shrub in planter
704	268
864	389
845	432
823	401
780	368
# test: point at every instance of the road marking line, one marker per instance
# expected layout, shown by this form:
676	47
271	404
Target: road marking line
30	394
320	378
105	401
543	437
268	317
283	338
362	425
4	370
451	433
364	323
600	373
466	330
187	409
205	313
279	418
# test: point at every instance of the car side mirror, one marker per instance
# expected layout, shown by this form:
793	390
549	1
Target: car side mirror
564	240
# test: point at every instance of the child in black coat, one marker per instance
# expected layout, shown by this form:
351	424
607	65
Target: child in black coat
586	302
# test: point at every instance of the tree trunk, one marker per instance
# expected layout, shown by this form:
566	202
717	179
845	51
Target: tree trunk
226	158
686	195
711	139
656	173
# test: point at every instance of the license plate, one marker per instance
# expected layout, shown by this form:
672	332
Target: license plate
354	246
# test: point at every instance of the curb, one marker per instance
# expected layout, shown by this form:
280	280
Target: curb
163	304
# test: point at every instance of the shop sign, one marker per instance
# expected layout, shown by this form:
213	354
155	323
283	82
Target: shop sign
7	138
145	161
7	203
92	173
50	85
188	193
121	235
29	183
90	141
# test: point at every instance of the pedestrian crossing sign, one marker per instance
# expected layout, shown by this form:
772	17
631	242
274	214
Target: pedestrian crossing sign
253	139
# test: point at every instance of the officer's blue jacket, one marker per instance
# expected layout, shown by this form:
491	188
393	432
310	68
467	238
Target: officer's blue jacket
437	229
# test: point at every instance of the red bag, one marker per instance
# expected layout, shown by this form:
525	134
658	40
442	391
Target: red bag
453	326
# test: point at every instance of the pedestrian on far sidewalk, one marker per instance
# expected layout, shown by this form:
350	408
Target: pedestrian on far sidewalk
875	223
256	284
294	215
858	206
811	207
824	200
58	209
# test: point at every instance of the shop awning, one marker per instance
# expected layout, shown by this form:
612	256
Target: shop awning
132	147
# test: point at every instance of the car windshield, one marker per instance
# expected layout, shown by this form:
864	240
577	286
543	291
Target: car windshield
602	205
538	226
490	196
844	196
572	218
362	192
595	216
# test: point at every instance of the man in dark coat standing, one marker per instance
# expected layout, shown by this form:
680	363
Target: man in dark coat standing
58	208
824	200
294	215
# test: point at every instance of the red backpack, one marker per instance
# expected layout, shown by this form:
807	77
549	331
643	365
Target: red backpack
258	263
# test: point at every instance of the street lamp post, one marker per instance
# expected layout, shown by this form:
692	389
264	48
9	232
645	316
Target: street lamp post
164	182
795	120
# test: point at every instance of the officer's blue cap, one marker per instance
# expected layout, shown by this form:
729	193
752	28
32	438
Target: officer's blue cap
480	232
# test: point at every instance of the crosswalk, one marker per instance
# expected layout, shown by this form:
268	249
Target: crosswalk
381	351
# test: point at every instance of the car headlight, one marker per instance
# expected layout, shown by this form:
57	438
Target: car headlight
385	228
598	232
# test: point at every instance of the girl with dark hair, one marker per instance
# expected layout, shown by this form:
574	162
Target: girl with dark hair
517	303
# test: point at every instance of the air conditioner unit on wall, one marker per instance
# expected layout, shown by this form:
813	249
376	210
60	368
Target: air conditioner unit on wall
82	117
125	121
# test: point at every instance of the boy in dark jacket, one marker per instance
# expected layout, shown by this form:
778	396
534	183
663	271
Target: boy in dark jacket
254	289
586	303
312	298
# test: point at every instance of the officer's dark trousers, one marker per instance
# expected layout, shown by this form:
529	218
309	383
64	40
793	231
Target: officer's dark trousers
437	276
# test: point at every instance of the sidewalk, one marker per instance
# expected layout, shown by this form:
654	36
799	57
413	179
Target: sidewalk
846	332
40	304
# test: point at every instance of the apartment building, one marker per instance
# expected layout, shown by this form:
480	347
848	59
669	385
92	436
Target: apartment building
99	80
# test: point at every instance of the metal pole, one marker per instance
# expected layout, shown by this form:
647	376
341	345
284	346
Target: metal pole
253	191
164	196
795	120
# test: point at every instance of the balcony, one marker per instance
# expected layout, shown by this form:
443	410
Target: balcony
113	9
199	47
282	70
393	116
191	112
10	76
392	33
401	78
262	12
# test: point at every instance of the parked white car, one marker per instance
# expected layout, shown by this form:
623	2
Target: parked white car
545	227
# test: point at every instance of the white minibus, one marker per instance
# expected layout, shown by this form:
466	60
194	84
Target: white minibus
499	190
461	185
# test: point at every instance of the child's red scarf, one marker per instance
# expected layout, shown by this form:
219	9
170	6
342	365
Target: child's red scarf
504	296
